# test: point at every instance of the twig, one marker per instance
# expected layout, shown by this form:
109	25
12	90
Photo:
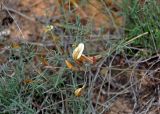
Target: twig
14	20
130	41
19	13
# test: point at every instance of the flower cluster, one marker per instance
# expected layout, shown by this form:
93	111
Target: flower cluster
79	59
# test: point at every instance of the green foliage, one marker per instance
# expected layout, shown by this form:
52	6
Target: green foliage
143	18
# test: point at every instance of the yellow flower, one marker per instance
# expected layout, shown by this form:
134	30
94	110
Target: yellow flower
78	51
78	92
48	28
69	65
78	54
15	45
27	81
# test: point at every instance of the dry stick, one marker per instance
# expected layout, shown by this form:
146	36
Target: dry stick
121	92
116	76
133	90
56	103
149	70
14	20
152	57
96	75
42	104
122	87
130	41
79	9
111	16
36	3
149	104
19	13
132	80
104	81
112	68
158	98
